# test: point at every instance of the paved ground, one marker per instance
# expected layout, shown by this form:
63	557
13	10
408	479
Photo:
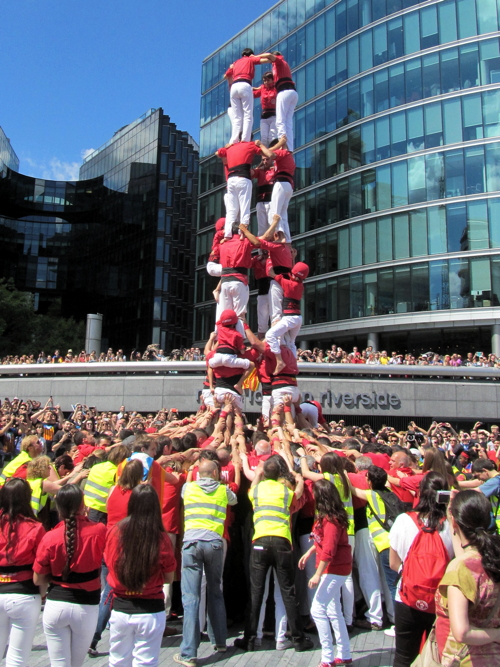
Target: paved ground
369	649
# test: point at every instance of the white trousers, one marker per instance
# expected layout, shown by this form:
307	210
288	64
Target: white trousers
234	296
279	612
18	618
310	412
238	200
369	579
263	311
167	588
268	130
135	639
208	399
214	269
69	629
280	393
280	198
267	406
242	108
220	392
326	611
226	207
306	543
287	329
286	101
348	590
229	360
275	301
262	210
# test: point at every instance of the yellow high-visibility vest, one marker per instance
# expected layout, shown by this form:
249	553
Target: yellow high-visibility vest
271	509
101	479
346	500
38	497
205	511
379	536
11	467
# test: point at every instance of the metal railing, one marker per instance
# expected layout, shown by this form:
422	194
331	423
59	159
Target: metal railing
198	368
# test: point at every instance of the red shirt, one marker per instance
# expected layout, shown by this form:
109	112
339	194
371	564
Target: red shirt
403	494
379	460
280	254
287	377
292	294
241	153
218	236
332	545
23	542
259	267
284	165
309	507
359	481
84	451
153	588
243	69
51	556
117	505
230	340
254	459
235	253
265	178
282	73
267	97
171	510
261	365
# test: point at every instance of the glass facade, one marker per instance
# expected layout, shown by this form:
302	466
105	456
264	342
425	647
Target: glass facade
8	157
397	150
120	241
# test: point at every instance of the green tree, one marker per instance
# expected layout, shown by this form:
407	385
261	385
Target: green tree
22	331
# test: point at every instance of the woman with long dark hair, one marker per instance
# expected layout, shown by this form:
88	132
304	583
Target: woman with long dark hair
333	566
140	559
412	624
332	469
468	603
20	601
68	562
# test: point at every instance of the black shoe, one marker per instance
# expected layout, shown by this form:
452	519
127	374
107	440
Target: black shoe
305	644
244	644
350	629
93	653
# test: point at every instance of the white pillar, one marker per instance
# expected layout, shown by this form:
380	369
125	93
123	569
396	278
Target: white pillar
93	333
373	341
495	339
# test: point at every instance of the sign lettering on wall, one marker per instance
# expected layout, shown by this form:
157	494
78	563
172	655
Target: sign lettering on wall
329	399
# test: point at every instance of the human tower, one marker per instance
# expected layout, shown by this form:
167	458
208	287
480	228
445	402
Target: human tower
278	276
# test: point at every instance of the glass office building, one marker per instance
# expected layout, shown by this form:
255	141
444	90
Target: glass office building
397	198
8	157
116	242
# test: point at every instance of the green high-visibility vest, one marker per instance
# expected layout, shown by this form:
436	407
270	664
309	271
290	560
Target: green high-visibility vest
101	479
379	536
271	502
335	478
11	467
205	511
38	497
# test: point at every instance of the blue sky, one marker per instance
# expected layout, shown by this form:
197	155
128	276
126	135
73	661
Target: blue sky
75	72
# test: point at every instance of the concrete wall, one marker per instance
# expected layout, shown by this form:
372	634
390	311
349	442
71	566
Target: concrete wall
444	399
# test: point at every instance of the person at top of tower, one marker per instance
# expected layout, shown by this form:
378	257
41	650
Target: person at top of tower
242	72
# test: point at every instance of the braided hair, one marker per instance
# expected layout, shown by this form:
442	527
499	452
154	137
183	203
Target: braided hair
69	501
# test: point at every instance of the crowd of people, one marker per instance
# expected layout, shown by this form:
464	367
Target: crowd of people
333	355
346	528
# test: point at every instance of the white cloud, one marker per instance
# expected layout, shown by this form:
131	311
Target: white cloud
86	152
54	170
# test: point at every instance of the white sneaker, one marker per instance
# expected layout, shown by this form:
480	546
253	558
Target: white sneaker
390	632
284	645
